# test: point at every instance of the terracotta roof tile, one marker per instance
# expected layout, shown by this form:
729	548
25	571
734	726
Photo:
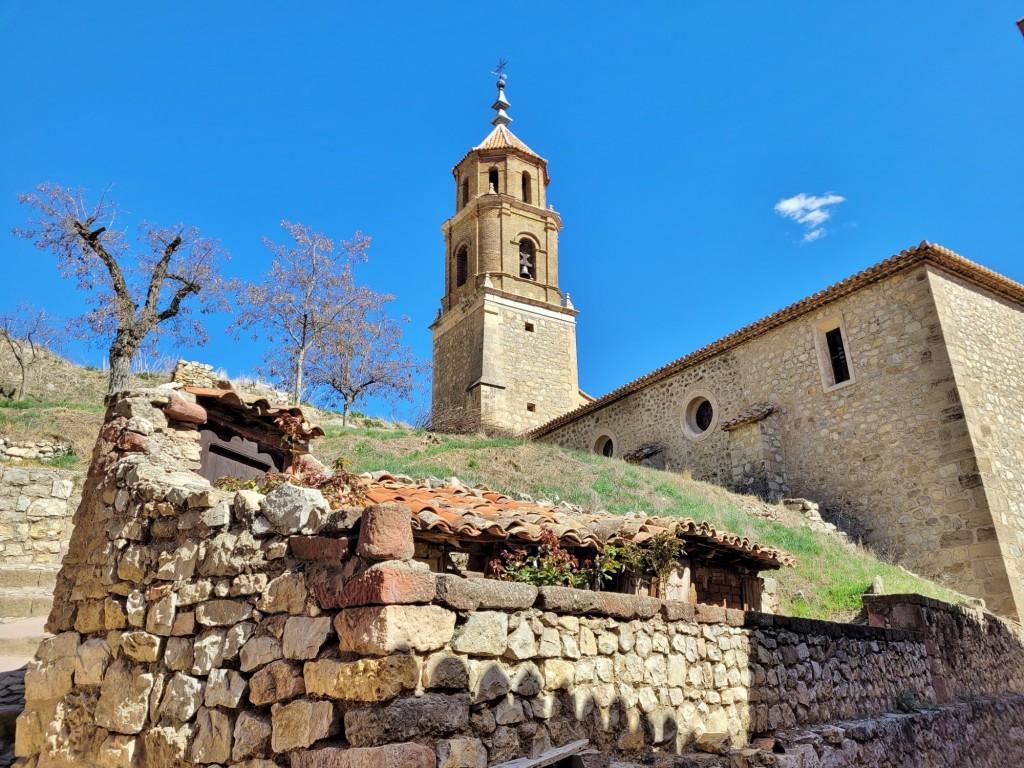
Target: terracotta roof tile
475	513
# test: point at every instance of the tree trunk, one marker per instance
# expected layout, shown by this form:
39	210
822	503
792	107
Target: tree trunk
21	392
122	351
344	413
300	359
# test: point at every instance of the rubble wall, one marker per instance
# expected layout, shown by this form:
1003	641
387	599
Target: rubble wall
36	505
196	626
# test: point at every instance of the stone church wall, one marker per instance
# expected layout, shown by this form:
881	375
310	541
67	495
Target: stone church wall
985	337
197	626
888	455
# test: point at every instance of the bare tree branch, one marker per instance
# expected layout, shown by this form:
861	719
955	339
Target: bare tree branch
136	294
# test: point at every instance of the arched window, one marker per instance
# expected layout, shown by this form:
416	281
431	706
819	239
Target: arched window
527	259
461	266
527	188
465	194
492	180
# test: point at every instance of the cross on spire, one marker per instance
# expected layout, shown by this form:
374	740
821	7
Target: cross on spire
501	103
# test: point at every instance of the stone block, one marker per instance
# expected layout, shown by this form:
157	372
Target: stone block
362	680
322	549
433	714
461	753
222	613
178	409
484	633
213	737
390	583
304	636
285	594
291	509
259	651
677	610
488	681
462	594
566	600
182	699
386	533
93	656
300	723
444	670
277	681
389	756
141	646
251	736
225	688
124	698
627	607
382	630
49	679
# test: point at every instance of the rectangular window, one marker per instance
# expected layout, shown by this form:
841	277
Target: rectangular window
531	407
529	327
833	347
837	356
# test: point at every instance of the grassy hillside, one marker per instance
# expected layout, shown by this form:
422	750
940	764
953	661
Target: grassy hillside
65	404
827	582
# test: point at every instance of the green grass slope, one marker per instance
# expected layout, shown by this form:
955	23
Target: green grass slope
827	582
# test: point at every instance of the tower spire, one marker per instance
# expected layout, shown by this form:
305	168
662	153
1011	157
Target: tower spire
501	103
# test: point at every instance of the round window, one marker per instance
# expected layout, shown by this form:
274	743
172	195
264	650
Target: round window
700	417
703	415
605	446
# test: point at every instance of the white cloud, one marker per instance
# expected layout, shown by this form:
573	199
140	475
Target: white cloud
810	210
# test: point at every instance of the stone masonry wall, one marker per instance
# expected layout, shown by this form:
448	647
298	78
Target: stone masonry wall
36	505
193	626
985	336
887	455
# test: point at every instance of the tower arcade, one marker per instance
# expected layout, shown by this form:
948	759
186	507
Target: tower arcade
505	337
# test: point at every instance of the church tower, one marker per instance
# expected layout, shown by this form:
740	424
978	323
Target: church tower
505	336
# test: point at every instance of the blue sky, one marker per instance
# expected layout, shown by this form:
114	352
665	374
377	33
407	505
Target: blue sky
672	131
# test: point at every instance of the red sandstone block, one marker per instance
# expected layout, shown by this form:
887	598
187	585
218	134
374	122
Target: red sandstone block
677	610
390	756
386	533
710	614
319	548
178	409
113	428
627	607
132	442
389	583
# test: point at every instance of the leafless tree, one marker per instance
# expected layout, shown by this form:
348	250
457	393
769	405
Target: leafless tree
308	292
136	294
364	357
27	331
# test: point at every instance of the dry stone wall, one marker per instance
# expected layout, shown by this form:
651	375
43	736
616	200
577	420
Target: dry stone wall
196	626
36	506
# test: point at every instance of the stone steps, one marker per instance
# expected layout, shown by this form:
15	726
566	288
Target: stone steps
23	603
18	575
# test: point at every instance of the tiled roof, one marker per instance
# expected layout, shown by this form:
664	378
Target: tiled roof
925	253
455	511
258	409
751	415
502	138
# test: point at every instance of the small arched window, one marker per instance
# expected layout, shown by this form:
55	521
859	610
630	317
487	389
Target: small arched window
465	194
461	266
527	188
527	259
492	180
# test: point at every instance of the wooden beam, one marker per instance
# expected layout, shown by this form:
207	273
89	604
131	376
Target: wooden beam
550	757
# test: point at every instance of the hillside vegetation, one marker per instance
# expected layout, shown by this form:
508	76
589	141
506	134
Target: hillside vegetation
65	403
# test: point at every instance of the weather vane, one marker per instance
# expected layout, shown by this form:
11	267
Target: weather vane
499	71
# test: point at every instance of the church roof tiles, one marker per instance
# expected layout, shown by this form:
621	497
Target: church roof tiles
925	253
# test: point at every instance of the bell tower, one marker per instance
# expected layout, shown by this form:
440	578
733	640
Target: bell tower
505	336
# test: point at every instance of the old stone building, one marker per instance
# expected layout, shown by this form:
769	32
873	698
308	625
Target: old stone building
505	336
893	399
